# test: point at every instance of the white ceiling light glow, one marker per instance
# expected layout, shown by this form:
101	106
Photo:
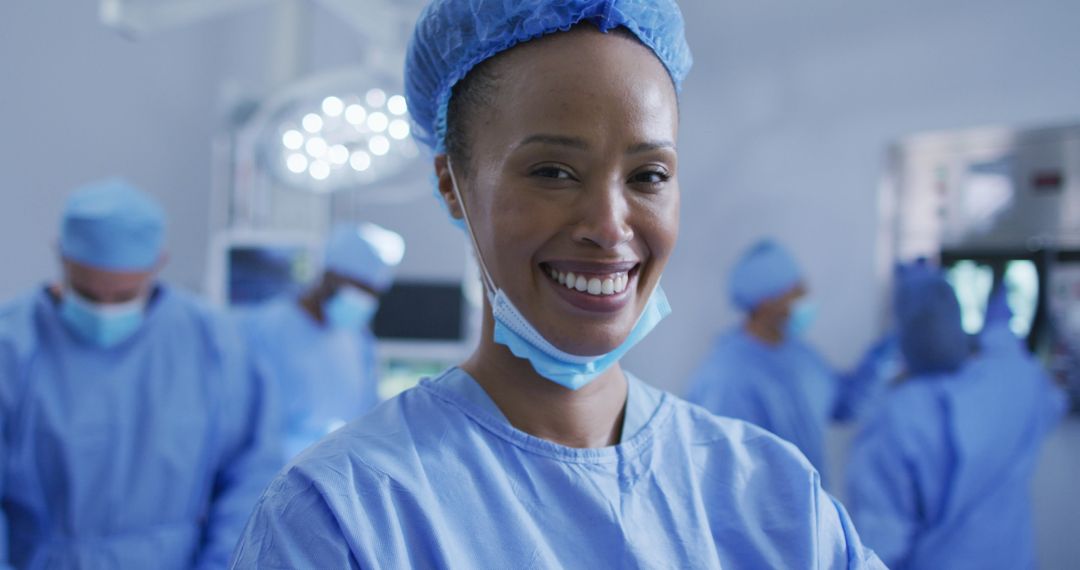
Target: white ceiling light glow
346	129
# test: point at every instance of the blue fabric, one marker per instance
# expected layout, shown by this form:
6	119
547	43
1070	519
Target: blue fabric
453	36
571	371
103	325
787	389
765	271
997	307
147	455
928	322
641	402
111	225
435	479
325	376
940	477
802	317
350	308
366	252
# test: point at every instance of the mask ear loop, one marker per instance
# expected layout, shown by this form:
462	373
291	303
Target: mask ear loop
489	283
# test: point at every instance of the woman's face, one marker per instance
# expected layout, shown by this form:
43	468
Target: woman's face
572	175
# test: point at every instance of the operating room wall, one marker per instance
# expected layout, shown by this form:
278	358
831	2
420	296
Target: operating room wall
79	103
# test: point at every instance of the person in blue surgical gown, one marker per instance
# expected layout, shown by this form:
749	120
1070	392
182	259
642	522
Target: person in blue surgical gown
940	475
764	372
554	127
134	431
319	348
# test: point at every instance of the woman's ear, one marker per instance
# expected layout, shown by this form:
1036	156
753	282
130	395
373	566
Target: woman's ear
446	185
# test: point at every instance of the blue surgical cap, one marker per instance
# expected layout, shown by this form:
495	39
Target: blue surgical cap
367	253
453	36
765	271
113	226
932	338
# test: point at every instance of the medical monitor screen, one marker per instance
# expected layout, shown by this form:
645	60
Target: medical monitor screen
972	283
257	273
973	278
422	311
1022	291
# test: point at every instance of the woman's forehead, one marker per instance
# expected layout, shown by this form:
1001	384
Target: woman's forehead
581	81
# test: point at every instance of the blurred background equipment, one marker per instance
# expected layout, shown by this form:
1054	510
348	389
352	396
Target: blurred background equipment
999	206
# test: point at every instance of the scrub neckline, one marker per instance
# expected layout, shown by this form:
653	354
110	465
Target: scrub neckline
464	396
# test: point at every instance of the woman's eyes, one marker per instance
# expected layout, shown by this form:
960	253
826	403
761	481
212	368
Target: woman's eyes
650	178
553	172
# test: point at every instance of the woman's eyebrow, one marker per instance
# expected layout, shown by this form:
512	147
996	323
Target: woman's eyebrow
558	140
648	146
580	143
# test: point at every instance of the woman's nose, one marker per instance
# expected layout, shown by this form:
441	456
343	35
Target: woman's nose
603	216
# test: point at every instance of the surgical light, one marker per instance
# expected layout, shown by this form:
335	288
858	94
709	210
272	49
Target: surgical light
338	154
319	170
292	139
339	130
396	105
375	98
297	163
399	129
377	122
355	114
360	161
332	106
312	123
379	145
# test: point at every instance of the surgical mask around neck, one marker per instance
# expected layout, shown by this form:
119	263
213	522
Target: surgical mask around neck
350	308
802	316
102	325
515	332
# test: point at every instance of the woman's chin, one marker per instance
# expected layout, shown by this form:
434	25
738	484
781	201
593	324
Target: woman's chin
596	344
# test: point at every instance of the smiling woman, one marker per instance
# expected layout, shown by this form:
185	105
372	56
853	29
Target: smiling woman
554	125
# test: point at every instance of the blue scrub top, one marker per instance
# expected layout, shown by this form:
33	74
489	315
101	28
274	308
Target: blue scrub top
787	389
940	476
149	454
438	478
325	376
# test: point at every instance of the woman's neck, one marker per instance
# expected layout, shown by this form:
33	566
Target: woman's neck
589	417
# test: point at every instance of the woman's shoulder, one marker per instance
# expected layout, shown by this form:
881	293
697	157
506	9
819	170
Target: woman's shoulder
383	444
735	442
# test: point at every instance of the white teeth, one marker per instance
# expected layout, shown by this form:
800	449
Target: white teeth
599	286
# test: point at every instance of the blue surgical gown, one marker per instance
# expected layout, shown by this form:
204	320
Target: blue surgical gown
325	376
787	389
149	454
438	478
941	474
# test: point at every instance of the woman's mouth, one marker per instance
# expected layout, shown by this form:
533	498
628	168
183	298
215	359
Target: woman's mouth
604	284
602	287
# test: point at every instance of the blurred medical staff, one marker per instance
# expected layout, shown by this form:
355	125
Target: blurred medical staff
940	476
319	348
135	432
764	372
